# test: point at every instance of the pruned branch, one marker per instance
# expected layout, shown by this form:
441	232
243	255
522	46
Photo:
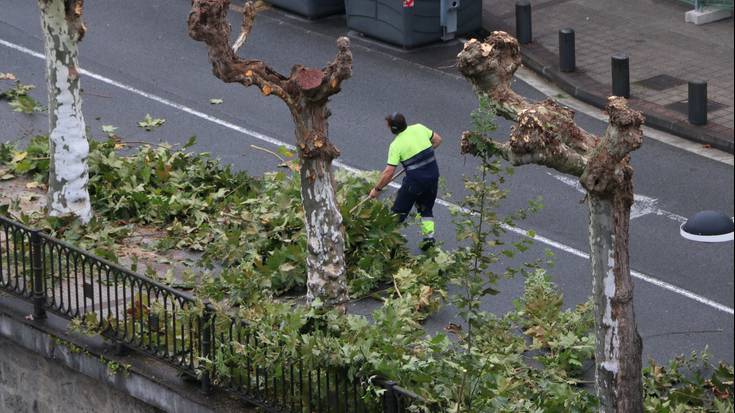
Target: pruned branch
490	66
608	166
545	132
208	23
340	69
485	147
248	18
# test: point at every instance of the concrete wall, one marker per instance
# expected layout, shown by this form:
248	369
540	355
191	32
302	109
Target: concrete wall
45	369
30	382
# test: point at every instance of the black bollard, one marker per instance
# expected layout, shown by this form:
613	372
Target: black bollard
567	58
523	21
697	102
621	75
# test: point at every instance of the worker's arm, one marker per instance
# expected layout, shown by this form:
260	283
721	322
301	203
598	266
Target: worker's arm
385	178
436	140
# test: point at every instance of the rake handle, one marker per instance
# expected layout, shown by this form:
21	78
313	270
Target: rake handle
367	197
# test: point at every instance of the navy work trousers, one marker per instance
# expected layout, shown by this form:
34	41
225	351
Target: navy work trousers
422	193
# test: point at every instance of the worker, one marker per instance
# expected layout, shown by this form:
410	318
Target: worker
413	147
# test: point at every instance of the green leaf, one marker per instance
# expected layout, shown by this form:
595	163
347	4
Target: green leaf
25	104
283	151
109	130
149	123
490	291
190	142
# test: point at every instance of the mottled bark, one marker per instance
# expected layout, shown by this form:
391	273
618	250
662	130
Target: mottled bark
306	92
63	28
545	134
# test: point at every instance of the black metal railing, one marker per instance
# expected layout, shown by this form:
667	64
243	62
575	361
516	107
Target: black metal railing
142	314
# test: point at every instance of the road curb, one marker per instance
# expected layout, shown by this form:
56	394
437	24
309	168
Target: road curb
577	84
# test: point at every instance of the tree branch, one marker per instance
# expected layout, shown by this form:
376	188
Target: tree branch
490	66
340	69
248	17
545	132
485	147
608	166
208	23
74	10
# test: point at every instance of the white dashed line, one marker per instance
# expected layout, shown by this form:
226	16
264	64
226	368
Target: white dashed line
642	205
276	142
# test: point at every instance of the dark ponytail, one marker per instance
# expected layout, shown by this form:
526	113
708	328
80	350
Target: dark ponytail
396	122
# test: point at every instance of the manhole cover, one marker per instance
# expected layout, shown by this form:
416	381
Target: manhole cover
661	82
683	106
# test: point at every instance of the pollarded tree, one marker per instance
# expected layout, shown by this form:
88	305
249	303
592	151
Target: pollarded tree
306	92
63	28
546	134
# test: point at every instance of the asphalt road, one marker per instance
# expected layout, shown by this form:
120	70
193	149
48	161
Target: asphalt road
139	59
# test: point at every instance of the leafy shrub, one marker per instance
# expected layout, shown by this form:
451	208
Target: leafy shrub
251	228
529	360
19	99
33	161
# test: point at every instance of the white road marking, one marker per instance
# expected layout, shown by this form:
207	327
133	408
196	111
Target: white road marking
273	141
642	205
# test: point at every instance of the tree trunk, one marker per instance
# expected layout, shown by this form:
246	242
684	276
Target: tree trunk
546	134
306	92
68	147
618	367
325	260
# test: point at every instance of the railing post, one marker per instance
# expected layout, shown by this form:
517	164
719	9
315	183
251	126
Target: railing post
390	399
39	293
206	340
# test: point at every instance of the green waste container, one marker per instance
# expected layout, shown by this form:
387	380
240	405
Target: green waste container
408	27
311	9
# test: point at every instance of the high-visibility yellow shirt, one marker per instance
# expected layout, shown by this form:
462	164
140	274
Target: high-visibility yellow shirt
409	143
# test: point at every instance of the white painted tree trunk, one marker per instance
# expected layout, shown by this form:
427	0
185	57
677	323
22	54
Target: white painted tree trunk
325	261
617	354
68	145
603	291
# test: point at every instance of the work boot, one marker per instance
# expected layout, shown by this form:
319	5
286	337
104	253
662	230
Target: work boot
427	243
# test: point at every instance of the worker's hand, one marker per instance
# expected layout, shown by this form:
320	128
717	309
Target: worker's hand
374	193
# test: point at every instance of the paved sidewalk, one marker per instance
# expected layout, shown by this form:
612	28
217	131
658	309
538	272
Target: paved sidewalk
664	53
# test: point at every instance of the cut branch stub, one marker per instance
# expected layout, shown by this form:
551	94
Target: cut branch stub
607	168
624	133
316	145
308	79
490	66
